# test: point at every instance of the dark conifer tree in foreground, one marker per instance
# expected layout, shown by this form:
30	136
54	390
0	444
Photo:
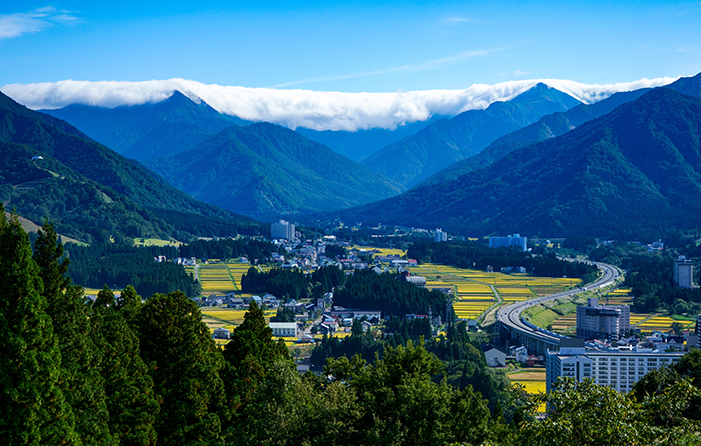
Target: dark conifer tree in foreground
81	382
131	400
184	363
248	357
33	409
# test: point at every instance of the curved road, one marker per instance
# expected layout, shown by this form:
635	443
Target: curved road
510	316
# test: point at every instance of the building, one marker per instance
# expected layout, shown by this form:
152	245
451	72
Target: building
440	236
282	230
494	356
684	272
510	240
617	369
284	329
596	321
221	333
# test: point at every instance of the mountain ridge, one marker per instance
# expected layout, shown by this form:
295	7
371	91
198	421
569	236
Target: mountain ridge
447	141
76	172
554	125
276	172
632	172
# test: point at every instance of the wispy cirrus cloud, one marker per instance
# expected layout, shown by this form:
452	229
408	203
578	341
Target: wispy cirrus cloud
520	72
460	20
14	25
408	68
319	110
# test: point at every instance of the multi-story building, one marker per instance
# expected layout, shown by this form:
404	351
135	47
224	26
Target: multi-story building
617	369
284	329
282	230
510	240
684	272
441	236
596	321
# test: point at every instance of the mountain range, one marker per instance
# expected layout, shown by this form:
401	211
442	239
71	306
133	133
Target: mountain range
447	141
553	125
148	130
265	171
632	172
49	169
541	163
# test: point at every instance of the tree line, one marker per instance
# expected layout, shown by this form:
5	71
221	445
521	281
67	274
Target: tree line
293	284
389	293
121	265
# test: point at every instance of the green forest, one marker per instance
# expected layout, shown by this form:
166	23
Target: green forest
121	371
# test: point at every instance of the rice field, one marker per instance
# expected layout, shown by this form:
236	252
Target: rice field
473	289
220	278
533	382
662	323
620	296
565	323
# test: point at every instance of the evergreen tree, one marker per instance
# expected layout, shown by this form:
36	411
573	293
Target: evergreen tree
81	382
131	400
184	363
33	409
249	356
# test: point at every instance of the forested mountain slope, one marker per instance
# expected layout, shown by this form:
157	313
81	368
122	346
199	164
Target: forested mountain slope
149	130
265	170
447	141
89	189
635	171
553	125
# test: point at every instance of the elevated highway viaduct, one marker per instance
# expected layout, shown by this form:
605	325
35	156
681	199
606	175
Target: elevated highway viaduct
538	339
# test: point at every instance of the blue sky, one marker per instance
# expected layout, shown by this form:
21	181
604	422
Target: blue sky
358	47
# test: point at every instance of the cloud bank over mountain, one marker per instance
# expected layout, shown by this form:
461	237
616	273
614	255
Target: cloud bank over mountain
319	110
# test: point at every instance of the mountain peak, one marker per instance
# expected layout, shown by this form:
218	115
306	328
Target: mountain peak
179	97
541	91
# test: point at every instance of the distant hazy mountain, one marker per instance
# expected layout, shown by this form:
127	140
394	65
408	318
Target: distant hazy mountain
265	170
554	125
148	130
447	141
88	190
633	172
360	144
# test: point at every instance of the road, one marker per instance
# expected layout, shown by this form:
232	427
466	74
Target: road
539	339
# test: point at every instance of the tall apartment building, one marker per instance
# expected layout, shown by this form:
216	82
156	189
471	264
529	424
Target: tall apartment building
684	272
510	240
282	230
619	370
596	321
440	236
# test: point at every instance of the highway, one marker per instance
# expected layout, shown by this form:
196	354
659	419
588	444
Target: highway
540	339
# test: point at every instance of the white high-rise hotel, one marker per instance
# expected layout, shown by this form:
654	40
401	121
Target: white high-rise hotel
282	230
596	321
684	272
619	370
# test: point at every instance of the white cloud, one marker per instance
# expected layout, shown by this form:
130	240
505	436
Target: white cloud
14	25
320	110
520	73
